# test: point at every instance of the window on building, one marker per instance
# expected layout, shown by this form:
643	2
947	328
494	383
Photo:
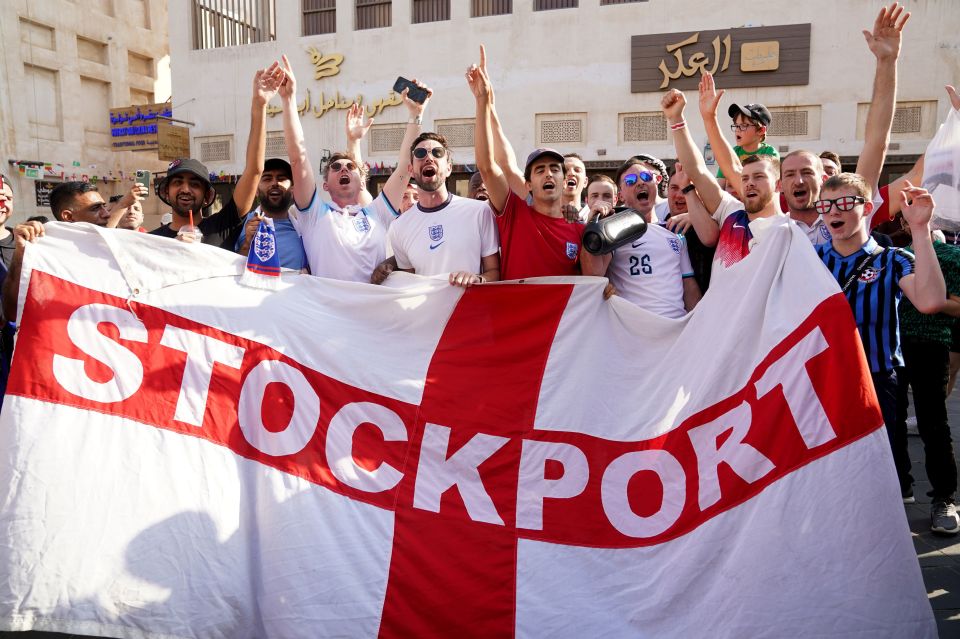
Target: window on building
546	5
643	127
138	96
430	10
386	138
561	128
459	132
37	35
43	102
481	8
230	23
319	16
95	96
140	64
374	14
215	148
91	50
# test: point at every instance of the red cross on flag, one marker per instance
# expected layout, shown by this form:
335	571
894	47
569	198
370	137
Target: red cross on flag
182	456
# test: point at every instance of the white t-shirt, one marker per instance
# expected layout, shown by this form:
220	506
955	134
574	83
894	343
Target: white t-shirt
445	239
649	272
344	244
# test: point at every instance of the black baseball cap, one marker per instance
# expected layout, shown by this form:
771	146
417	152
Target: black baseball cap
276	164
756	112
536	155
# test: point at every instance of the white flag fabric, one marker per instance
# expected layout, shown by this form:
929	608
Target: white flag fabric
182	456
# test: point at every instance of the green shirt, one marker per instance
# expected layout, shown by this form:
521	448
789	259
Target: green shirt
763	149
933	328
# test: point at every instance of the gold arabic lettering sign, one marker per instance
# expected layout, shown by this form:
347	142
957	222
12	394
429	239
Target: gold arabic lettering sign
326	66
748	57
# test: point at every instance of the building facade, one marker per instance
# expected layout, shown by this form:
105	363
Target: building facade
581	76
64	64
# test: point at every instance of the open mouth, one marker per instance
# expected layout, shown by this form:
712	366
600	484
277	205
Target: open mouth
344	179
836	224
800	195
643	196
276	193
549	186
429	171
482	197
572	183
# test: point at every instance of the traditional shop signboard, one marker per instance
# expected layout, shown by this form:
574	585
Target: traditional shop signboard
748	57
173	142
134	128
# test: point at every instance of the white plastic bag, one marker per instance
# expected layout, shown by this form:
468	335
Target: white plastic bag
941	173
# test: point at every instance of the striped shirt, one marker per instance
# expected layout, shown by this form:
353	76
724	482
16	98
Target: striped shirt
873	298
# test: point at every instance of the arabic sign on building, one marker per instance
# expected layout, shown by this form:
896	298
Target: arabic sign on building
326	66
748	57
173	142
135	127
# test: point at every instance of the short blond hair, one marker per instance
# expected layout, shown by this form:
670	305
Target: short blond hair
852	180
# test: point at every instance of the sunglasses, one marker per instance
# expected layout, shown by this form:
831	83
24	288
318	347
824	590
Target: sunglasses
437	152
845	203
741	127
631	178
339	165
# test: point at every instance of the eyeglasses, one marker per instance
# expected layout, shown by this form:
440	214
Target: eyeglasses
631	178
338	166
741	127
437	152
845	203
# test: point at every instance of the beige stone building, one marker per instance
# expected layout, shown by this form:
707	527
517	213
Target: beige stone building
582	76
63	65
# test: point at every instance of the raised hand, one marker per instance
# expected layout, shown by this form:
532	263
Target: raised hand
288	87
709	97
478	80
356	129
917	206
27	232
672	103
414	107
954	98
884	41
266	82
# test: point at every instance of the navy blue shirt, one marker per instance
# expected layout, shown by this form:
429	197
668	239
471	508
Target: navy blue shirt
873	298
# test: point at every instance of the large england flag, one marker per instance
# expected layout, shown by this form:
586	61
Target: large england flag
182	456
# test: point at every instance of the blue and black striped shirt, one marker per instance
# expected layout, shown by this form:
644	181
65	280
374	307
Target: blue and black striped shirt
873	298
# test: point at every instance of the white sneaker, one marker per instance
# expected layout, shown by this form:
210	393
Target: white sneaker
944	518
912	426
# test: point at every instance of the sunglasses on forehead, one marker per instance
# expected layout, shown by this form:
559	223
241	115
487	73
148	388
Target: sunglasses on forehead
845	203
632	178
437	152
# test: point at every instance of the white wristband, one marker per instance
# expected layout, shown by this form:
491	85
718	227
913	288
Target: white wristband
416	120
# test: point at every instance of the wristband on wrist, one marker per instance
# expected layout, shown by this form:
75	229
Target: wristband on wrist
687	189
415	120
482	278
679	125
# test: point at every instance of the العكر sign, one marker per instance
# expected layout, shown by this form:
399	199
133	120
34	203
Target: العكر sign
746	57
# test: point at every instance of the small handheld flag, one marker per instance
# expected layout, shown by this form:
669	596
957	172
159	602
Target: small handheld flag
263	261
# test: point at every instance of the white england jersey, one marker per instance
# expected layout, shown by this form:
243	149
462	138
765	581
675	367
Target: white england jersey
344	244
817	233
649	272
445	239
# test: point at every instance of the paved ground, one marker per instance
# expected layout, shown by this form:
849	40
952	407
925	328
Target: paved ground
939	556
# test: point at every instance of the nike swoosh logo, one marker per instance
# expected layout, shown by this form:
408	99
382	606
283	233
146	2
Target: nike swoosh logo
433	246
739	226
637	244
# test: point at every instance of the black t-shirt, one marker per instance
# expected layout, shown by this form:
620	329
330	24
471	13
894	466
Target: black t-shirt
7	246
220	229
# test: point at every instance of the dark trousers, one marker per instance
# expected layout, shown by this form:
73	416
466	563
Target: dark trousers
926	371
886	386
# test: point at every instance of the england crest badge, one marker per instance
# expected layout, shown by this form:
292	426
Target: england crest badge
361	223
436	233
675	245
263	262
572	249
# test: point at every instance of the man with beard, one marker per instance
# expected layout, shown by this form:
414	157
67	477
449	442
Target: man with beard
653	272
758	183
342	239
537	240
275	200
444	233
187	190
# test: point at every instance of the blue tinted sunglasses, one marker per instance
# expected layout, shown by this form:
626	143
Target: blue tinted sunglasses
631	178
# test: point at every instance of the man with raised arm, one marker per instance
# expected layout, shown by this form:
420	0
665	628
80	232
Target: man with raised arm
444	234
536	240
342	238
724	221
187	190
